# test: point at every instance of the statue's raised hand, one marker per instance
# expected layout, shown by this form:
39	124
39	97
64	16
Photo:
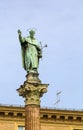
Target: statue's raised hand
19	32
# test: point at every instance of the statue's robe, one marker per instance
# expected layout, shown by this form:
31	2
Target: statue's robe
30	53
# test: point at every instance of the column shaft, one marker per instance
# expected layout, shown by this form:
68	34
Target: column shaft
32	117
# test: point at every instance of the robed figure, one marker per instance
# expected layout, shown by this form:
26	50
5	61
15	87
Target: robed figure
31	51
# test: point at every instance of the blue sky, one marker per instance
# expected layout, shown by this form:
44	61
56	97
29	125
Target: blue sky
59	24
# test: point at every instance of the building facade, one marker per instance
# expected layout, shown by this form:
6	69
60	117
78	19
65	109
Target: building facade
13	118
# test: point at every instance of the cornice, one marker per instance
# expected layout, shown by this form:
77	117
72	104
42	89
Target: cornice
17	113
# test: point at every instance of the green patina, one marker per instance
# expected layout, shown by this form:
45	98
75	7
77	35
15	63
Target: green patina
31	51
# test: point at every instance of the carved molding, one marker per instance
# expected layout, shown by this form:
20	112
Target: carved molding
32	89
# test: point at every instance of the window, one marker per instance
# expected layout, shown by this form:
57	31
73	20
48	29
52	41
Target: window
70	118
2	113
77	129
79	118
45	116
21	128
10	113
19	114
62	117
53	117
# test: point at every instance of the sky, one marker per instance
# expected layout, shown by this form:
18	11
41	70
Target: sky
59	24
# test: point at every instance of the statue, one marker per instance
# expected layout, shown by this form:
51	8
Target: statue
31	52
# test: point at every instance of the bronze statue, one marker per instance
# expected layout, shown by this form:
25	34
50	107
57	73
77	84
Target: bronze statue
31	51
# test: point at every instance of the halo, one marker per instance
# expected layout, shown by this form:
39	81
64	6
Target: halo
34	29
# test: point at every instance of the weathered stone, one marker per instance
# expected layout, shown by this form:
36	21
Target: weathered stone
32	90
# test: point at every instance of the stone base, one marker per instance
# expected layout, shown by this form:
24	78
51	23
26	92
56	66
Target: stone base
33	78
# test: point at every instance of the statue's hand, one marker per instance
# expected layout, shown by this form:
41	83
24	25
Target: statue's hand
40	54
19	32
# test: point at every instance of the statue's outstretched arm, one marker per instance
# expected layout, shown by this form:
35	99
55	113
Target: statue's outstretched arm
21	39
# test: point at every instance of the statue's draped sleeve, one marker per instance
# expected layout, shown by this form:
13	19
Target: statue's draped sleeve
22	42
23	56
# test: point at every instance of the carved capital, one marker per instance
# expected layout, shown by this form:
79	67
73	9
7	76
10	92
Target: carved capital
32	92
32	89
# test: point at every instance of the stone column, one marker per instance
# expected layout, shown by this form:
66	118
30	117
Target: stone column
32	119
32	90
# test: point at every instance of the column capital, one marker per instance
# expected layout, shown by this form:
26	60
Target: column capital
32	90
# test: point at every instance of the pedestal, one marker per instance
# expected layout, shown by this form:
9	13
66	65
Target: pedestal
32	90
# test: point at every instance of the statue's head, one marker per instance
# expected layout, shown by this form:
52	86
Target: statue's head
32	33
